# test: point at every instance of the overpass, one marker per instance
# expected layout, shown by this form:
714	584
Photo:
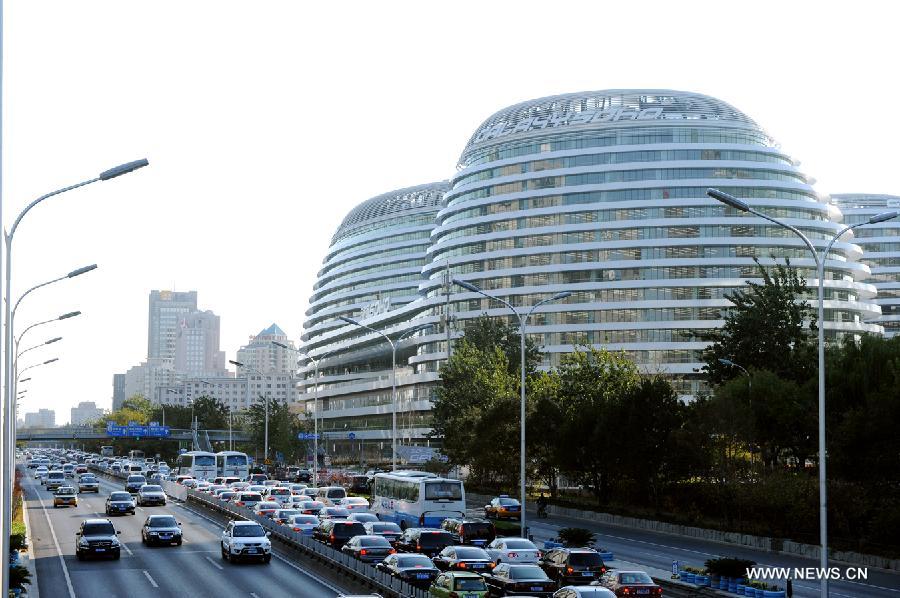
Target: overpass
82	433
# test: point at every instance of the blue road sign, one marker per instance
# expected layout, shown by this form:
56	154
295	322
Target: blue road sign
351	436
182	451
307	436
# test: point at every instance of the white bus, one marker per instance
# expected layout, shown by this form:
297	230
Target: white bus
232	464
136	456
417	499
197	464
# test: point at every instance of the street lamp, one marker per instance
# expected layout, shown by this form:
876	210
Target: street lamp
729	363
523	321
266	439
315	409
65	316
9	429
743	206
393	377
230	440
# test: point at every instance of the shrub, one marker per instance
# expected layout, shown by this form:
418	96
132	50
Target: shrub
18	577
729	567
574	537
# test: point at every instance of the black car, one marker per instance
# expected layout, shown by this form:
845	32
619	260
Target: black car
388	529
414	569
573	566
478	532
161	529
134	483
519	580
336	532
97	537
464	558
427	541
369	549
119	503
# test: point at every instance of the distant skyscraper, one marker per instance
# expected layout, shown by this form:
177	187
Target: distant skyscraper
43	418
118	391
197	351
268	358
167	310
84	413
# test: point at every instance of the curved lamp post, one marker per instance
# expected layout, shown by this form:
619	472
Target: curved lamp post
241	365
743	206
523	322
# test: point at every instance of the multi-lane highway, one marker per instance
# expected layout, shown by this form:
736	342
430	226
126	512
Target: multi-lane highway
193	569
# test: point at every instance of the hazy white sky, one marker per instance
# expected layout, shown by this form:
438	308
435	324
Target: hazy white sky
266	121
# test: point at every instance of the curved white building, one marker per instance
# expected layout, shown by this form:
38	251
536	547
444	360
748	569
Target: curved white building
881	250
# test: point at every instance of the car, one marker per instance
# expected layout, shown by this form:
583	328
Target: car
257	488
266	508
88	483
65	496
236	486
282	515
425	540
388	529
119	502
54	479
190	483
181	479
363	517
333	513
629	583
369	549
211	489
151	494
97	537
247	499
115	467
354	504
310	492
463	558
516	580
280	494
227	495
573	566
134	482
477	532
458	583
40	472
297	489
69	470
309	507
503	507
217	493
257	478
583	592
245	540
80	469
271	483
303	524
336	532
415	569
161	529
513	550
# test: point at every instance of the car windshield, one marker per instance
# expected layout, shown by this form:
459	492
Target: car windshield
526	572
386	527
449	490
337	512
348	530
509	502
287	513
280	491
56	474
375	542
520	544
88	478
136	478
470	584
163	521
248	531
267	505
585	559
120	496
634	577
432	539
65	490
471	553
252	496
415	561
148	488
98	529
305	519
482	530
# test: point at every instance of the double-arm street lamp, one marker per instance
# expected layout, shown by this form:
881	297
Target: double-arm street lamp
743	206
9	428
523	322
262	377
393	345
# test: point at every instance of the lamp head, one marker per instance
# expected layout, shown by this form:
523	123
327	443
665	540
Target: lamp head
729	200
282	345
884	216
53	340
562	295
51	360
348	320
71	314
81	271
123	169
466	285
727	362
25	379
237	363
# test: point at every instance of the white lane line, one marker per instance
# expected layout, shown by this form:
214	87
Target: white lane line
150	579
62	561
253	595
215	564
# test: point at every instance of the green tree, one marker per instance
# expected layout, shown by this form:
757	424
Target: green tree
210	413
284	425
765	329
485	333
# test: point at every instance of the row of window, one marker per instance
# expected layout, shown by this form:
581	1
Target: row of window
867	231
369	284
398	296
379	242
417	262
399	221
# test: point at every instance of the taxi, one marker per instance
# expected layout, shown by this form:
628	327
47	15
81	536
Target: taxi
65	496
503	507
458	584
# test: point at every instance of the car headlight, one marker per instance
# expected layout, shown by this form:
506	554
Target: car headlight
154	533
83	543
115	543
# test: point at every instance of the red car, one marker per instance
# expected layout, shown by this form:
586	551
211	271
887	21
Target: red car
630	583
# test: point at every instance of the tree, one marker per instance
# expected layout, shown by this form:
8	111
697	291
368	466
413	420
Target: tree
210	413
486	332
284	425
765	329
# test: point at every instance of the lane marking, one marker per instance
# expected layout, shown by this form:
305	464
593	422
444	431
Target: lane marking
253	595
150	579
62	561
215	564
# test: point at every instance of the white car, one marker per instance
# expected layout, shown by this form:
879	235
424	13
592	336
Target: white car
280	494
40	473
151	494
246	540
513	550
354	504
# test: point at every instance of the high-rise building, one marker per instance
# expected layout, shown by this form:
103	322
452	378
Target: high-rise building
881	250
262	354
167	309
145	378
43	418
85	413
118	391
197	351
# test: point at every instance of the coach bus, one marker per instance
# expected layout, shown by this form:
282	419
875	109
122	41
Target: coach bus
232	464
417	499
199	465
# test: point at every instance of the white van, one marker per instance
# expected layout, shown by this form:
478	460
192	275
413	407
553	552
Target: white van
328	494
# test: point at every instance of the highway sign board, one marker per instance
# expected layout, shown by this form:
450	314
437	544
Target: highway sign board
307	436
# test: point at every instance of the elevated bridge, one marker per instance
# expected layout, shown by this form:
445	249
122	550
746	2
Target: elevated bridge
82	433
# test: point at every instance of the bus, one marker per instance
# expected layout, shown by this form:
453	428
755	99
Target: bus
107	451
232	464
136	456
197	464
417	499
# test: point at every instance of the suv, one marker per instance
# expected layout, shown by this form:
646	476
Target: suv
97	537
425	540
246	539
478	532
573	566
119	502
54	479
134	482
336	532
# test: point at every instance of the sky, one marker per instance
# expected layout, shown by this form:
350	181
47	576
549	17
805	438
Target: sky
265	122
